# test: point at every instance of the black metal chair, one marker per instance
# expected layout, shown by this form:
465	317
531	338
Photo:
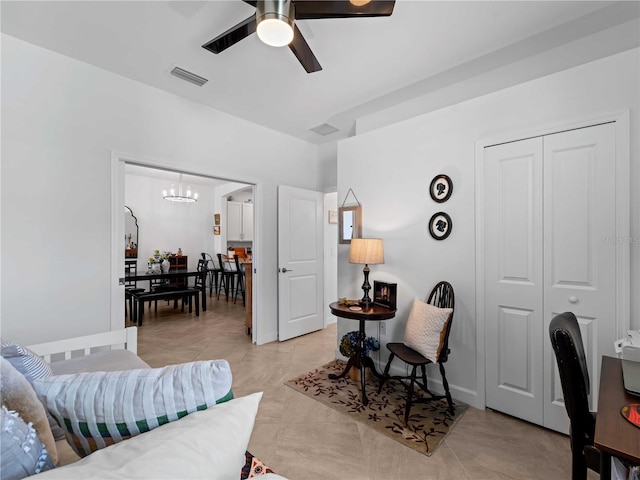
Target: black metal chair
212	272
239	280
224	278
566	341
441	296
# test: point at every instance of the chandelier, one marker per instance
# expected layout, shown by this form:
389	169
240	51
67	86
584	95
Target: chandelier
172	196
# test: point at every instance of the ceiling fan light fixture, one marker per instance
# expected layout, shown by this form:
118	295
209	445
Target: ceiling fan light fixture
275	22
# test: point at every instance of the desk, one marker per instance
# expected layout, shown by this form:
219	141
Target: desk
172	275
373	313
614	436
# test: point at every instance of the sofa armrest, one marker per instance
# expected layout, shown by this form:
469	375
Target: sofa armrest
126	338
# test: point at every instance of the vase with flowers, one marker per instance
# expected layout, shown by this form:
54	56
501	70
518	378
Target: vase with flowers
159	262
349	348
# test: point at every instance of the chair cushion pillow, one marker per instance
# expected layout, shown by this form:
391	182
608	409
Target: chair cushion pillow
31	366
21	452
426	328
206	444
18	395
97	409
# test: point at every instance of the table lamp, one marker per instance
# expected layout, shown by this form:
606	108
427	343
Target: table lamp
366	251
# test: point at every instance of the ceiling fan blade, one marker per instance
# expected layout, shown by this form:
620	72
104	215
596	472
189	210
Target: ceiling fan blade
232	36
310	9
303	53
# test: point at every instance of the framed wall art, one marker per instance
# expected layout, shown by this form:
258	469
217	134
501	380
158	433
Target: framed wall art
216	219
441	188
216	230
384	294
440	226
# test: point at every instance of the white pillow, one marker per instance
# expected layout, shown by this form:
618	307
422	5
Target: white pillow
207	444
425	329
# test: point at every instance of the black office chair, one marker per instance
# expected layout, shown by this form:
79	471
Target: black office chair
441	296
566	341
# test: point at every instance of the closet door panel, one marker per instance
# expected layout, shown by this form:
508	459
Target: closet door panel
579	249
513	278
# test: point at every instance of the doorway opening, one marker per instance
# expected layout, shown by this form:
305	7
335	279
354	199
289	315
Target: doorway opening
186	228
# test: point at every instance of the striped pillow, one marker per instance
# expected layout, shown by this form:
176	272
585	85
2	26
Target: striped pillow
25	361
97	409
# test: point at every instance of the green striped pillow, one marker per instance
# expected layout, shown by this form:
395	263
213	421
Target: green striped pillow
97	409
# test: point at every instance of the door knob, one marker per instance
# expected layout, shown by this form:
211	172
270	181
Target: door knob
284	270
573	299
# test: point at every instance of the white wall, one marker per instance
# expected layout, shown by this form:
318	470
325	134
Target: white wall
390	170
330	255
61	121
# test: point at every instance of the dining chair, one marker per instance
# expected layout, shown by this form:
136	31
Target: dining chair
239	280
212	272
224	277
566	341
426	341
130	288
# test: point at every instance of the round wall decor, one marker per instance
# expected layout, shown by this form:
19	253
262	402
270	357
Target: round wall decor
441	188
440	226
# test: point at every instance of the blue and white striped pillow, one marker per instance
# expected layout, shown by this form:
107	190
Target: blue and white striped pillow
25	361
98	409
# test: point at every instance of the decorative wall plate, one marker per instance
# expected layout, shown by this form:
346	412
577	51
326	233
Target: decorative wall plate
441	188
440	226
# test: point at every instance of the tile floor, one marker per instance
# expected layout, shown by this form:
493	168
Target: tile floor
301	439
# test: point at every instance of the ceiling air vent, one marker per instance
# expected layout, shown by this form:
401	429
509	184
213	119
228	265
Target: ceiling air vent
188	76
324	129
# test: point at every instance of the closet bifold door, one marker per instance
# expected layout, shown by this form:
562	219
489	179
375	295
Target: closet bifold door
513	278
549	209
579	251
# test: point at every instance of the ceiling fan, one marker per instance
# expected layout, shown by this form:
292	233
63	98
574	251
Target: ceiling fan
274	21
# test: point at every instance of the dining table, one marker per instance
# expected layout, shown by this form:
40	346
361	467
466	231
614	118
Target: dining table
172	274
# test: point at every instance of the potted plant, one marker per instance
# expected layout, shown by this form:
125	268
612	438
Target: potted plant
349	348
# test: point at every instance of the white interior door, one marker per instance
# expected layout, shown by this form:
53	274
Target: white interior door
300	262
579	264
513	278
550	204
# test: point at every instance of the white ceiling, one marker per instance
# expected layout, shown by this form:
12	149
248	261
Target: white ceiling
369	64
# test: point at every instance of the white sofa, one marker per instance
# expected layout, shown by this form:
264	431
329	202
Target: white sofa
203	444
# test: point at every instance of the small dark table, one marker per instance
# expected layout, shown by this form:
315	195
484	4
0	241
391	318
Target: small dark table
371	313
615	436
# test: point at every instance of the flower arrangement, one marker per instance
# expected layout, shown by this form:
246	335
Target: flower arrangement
158	257
349	344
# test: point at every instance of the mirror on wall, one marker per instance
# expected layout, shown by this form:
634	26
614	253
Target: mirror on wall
130	234
349	223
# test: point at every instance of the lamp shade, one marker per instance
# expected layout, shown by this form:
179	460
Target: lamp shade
366	251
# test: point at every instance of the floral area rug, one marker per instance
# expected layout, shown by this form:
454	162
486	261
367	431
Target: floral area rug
429	423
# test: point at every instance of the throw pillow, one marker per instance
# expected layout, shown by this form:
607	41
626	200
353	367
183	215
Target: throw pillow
21	453
18	395
425	329
206	444
31	366
97	409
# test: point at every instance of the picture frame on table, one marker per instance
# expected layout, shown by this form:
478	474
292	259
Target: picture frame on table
385	294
